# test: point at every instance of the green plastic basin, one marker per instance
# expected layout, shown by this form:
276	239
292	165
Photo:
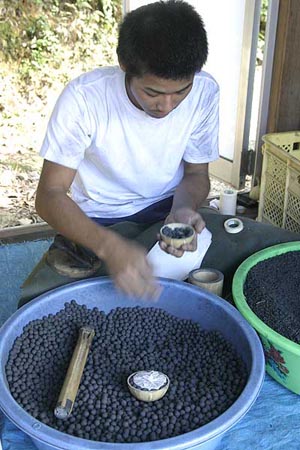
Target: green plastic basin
281	354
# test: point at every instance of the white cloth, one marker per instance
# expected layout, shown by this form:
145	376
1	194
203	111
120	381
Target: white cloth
125	159
168	266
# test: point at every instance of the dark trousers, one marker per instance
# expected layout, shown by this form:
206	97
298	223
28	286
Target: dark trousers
226	252
79	262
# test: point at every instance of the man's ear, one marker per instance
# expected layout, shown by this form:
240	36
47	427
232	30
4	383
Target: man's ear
122	65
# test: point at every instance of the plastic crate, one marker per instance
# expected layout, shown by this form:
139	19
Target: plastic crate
279	201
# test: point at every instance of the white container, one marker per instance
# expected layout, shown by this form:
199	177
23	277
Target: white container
228	200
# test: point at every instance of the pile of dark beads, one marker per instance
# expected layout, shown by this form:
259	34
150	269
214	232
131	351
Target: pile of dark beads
206	375
177	232
272	290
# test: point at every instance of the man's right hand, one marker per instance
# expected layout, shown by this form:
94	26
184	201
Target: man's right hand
128	266
126	261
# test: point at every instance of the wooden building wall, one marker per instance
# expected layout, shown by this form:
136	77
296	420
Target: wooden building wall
284	107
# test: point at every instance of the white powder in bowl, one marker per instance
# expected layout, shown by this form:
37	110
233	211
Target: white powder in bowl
150	380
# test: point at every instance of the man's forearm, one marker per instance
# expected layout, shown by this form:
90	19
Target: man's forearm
191	192
62	213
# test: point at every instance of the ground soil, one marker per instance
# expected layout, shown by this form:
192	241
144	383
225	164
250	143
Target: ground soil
23	120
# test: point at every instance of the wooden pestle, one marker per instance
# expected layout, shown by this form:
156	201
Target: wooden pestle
70	387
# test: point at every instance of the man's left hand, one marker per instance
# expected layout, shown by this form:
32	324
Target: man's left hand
187	216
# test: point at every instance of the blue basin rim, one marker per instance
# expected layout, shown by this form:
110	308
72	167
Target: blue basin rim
49	436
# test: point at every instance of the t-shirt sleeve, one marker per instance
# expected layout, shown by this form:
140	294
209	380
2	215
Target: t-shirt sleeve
68	133
203	145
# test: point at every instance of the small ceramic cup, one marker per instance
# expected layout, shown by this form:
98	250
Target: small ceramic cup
144	394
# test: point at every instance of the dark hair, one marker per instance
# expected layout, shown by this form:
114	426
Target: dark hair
165	38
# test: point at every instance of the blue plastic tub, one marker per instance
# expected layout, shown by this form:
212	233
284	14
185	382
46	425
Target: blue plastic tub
180	299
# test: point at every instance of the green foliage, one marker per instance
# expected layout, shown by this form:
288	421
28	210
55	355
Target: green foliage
262	30
9	39
263	19
35	34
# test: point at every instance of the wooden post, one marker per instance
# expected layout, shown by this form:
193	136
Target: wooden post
284	107
284	99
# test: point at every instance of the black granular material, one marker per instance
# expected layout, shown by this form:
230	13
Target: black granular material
272	290
206	375
178	232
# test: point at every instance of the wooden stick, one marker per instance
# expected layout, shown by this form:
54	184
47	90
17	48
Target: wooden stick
70	387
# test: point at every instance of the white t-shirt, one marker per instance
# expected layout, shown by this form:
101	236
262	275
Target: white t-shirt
125	159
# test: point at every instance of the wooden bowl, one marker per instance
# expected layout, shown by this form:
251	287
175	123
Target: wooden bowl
175	241
144	394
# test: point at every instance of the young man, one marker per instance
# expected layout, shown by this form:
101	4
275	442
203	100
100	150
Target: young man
133	144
